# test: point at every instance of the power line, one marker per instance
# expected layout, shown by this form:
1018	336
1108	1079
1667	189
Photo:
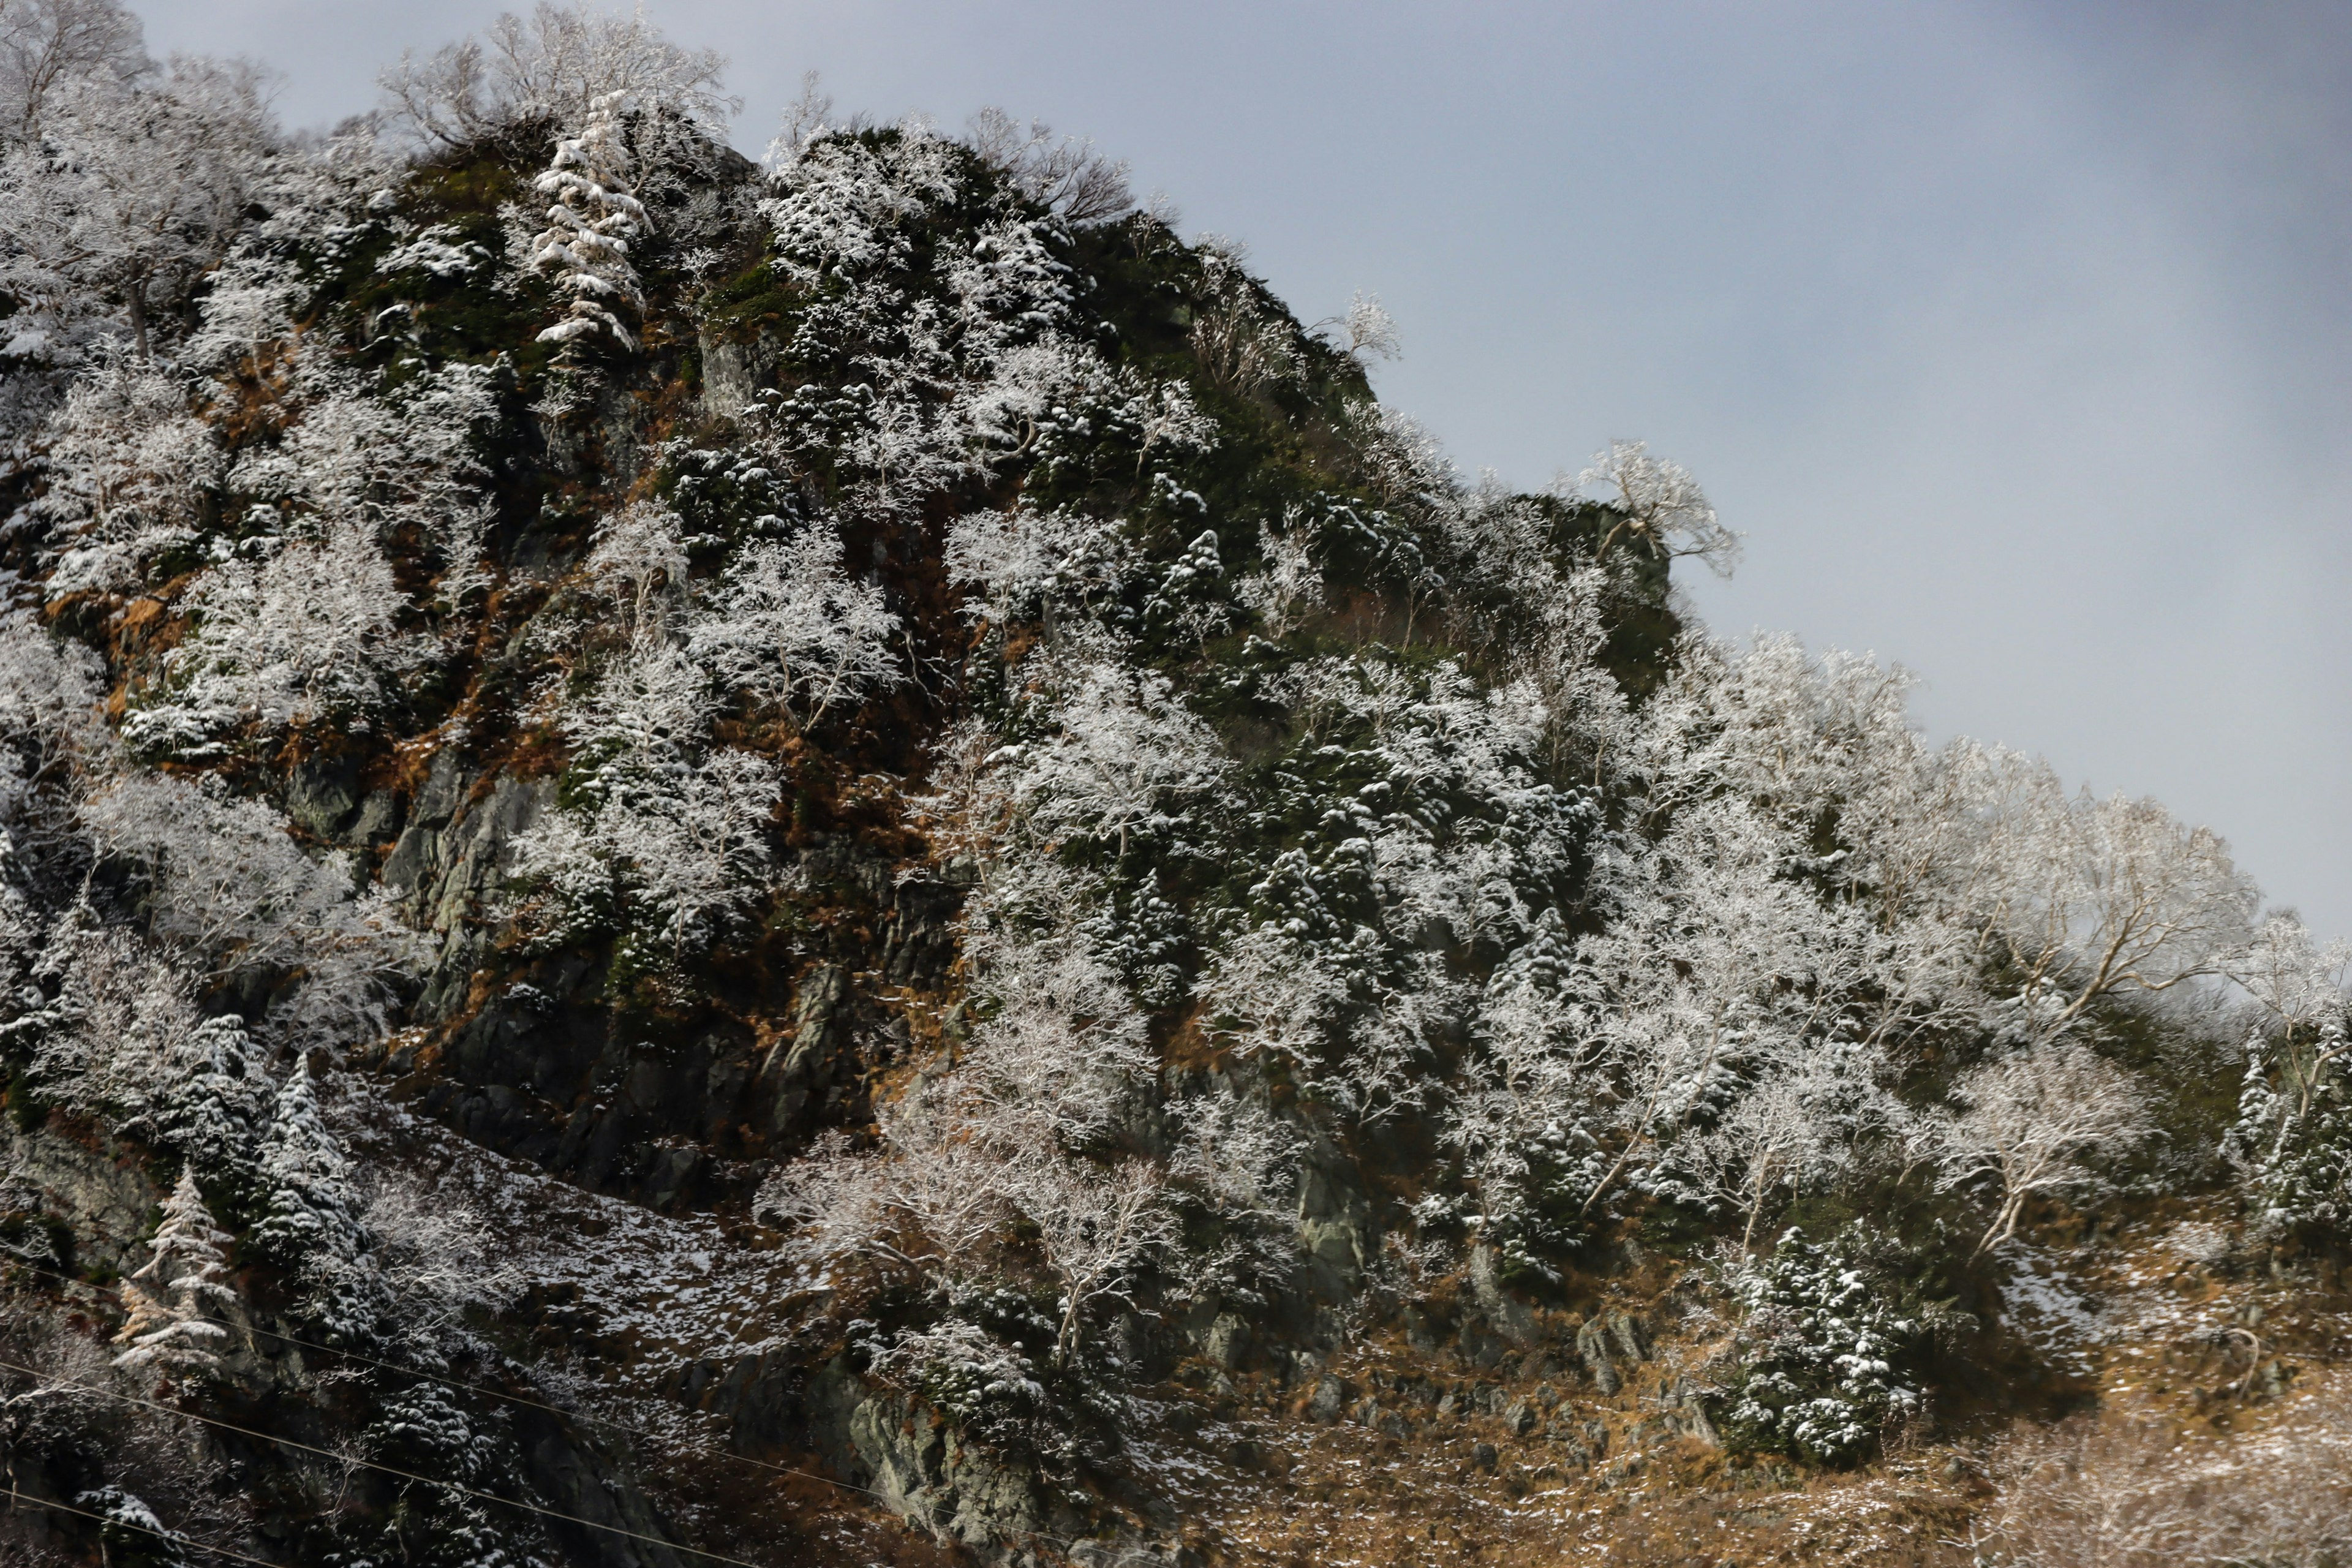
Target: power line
637	1432
460	1382
172	1537
458	1487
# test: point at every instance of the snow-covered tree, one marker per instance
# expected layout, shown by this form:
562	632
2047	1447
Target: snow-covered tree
309	1222
638	558
129	466
1659	507
1364	333
591	216
175	1296
1063	174
130	191
307	634
44	42
2294	1129
1027	564
1291	586
2096	898
665	832
787	627
111	1012
213	1104
554	66
1126	755
1822	1346
2028	1120
228	885
1094	1226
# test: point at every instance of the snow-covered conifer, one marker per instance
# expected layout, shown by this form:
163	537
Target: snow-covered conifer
214	1102
1823	1349
307	1200
177	1293
592	217
309	1222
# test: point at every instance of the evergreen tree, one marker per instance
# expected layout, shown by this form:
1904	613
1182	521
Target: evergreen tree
214	1105
182	1283
1825	1348
307	1223
592	217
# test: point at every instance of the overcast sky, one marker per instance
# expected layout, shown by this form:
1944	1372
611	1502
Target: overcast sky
2013	336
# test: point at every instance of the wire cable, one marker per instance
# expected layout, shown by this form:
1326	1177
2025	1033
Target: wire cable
171	1537
460	1382
621	1427
458	1487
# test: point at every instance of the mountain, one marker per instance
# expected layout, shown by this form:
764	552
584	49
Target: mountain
847	861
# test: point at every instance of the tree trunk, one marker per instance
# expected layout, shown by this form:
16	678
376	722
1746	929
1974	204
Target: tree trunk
138	296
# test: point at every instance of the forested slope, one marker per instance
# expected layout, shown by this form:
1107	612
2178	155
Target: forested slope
847	860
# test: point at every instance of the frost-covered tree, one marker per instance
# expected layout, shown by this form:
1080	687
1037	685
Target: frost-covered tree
1718	964
310	1223
1032	565
1126	756
1094	1226
592	217
554	66
228	885
788	627
109	1013
1291	586
352	460
1065	175
2094	899
638	558
2028	1122
130	191
129	467
1364	333
1659	507
177	1295
213	1104
665	833
307	634
438	1256
46	42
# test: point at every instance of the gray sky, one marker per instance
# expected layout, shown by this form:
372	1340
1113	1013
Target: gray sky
2013	335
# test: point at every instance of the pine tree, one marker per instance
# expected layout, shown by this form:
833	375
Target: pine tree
306	1205
1827	1352
185	1281
214	1105
307	1225
588	226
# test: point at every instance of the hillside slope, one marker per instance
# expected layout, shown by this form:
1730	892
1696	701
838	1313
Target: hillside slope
847	861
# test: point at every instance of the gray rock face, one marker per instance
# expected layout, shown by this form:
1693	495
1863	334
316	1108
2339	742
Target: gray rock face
931	1475
732	374
99	1191
1592	1344
1228	1341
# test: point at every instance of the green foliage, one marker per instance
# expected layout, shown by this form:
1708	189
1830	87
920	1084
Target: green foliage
1827	1354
